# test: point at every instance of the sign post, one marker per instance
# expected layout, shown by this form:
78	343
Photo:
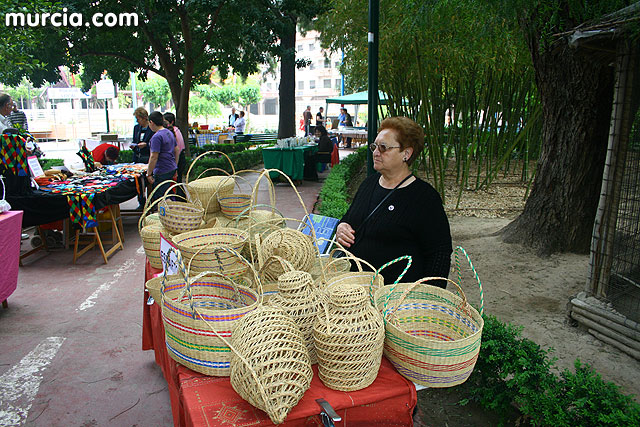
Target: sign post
105	90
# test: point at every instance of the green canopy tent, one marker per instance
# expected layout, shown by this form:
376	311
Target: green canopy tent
357	99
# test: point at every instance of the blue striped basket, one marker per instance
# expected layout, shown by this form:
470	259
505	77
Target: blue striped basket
432	336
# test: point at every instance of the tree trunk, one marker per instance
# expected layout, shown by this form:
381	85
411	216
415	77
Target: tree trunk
287	90
181	100
576	94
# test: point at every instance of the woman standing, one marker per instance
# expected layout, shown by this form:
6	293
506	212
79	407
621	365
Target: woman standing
395	213
169	123
164	151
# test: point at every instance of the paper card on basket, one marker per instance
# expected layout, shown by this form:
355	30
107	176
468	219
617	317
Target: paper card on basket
169	261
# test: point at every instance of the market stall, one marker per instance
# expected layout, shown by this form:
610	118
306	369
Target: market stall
289	160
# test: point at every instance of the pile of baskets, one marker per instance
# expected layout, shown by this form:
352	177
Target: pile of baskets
257	302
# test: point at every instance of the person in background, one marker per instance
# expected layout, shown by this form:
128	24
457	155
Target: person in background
6	105
323	155
141	136
164	152
342	116
19	118
105	154
233	117
320	118
306	116
170	120
240	124
348	123
395	213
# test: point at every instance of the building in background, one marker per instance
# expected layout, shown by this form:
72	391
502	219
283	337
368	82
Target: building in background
320	80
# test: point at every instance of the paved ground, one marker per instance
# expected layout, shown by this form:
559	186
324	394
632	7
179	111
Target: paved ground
71	336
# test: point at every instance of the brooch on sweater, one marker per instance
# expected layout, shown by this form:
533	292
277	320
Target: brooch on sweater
391	207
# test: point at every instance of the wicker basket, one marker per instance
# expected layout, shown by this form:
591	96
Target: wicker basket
200	249
432	335
199	314
268	279
179	217
207	189
150	235
270	368
327	267
292	245
349	336
298	297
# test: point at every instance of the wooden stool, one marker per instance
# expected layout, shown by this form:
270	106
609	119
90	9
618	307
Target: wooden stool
94	239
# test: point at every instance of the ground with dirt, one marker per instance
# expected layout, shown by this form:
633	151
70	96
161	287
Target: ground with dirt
523	289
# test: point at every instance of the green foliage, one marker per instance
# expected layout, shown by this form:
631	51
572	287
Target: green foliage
201	106
49	163
125	156
225	148
241	160
512	370
241	94
334	196
155	90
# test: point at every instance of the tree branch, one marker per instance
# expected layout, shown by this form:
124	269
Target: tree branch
212	23
126	58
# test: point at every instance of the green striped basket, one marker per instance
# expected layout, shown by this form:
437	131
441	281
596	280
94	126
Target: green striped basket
432	335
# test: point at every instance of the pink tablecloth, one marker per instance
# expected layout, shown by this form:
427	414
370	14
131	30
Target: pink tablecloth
10	231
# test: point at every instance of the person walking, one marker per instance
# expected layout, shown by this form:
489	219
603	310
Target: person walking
18	118
307	116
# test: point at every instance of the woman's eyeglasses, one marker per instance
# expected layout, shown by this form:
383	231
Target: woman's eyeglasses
382	147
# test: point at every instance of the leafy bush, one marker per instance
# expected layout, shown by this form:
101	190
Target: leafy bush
334	193
225	148
125	156
516	371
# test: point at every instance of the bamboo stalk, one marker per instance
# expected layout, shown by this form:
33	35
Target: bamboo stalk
618	345
589	319
621	320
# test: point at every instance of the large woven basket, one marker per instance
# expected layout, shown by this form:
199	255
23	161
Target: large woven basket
150	230
432	335
298	297
207	189
292	245
270	368
324	266
179	217
199	314
199	248
349	335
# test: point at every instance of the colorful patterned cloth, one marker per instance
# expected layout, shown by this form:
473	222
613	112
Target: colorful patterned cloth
87	159
14	154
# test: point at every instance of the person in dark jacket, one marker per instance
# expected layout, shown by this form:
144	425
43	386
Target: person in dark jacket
141	136
410	221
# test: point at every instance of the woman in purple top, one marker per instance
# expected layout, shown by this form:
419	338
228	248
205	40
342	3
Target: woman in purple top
164	152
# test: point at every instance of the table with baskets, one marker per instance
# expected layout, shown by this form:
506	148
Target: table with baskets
255	325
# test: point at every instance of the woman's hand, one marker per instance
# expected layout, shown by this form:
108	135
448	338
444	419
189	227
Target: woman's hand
150	179
345	234
142	144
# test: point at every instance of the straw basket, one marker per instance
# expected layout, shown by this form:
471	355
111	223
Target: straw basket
198	314
200	248
179	217
150	234
298	298
206	189
151	218
432	335
292	245
271	369
349	335
330	267
268	279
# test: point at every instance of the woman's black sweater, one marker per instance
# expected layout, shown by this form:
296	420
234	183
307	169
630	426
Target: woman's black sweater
411	221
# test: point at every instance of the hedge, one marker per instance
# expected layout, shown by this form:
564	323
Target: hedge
334	195
241	160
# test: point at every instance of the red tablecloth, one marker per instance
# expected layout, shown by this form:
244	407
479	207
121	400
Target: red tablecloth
199	400
10	232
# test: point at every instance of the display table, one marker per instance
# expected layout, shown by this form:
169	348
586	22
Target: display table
288	160
10	231
200	400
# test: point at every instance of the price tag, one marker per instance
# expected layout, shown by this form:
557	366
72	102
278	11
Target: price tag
169	259
34	166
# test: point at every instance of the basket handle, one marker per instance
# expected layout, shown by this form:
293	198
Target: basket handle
266	172
407	258
254	194
233	169
187	193
475	274
147	207
389	313
349	255
212	169
245	213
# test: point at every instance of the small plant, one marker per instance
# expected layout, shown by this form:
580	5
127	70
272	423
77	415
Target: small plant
334	195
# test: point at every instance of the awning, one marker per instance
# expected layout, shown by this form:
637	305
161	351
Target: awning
360	98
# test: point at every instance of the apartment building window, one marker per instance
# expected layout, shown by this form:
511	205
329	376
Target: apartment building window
327	63
253	108
271	106
312	66
299	48
312	47
337	64
338	83
269	86
301	85
312	84
327	83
